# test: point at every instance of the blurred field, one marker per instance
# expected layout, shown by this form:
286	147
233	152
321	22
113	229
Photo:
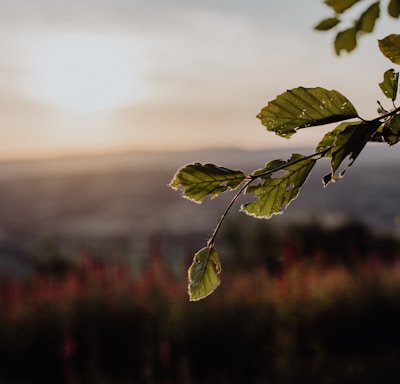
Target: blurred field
301	311
93	259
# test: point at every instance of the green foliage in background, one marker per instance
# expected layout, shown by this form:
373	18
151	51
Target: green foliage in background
273	187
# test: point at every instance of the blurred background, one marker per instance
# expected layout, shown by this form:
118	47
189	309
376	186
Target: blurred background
101	102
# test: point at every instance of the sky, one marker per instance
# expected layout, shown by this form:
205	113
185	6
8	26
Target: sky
103	76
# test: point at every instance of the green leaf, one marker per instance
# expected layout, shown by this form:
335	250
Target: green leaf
198	180
305	107
391	130
394	8
390	47
330	137
340	6
327	24
367	20
203	274
275	193
389	86
346	40
349	142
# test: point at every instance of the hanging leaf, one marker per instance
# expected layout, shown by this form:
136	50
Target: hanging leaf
305	107
394	8
390	47
340	6
203	274
389	86
275	193
327	24
367	20
198	180
349	143
346	40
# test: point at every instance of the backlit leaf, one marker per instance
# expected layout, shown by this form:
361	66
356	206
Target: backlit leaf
390	47
305	107
198	180
330	137
367	20
346	40
274	192
390	83
349	143
394	8
340	6
203	274
327	24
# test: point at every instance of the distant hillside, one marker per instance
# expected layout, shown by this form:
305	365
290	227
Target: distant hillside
123	200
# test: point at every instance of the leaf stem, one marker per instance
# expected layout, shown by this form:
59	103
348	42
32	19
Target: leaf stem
210	242
250	178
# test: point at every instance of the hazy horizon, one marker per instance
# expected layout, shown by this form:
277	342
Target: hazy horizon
90	78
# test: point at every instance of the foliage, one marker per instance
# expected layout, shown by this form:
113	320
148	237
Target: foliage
203	273
276	185
346	39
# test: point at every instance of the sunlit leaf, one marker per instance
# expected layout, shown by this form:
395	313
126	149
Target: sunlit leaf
367	20
349	143
305	107
270	167
330	137
340	6
327	24
198	180
390	47
346	40
389	86
275	192
203	274
394	8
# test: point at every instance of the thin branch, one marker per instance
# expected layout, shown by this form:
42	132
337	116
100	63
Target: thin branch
386	115
250	179
270	171
210	242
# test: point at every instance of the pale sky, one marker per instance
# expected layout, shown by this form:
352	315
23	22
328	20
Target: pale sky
95	76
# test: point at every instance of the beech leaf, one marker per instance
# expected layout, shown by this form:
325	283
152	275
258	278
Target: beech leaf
349	142
274	193
390	84
391	131
198	180
394	8
327	24
203	274
367	20
346	40
390	47
330	137
340	6
305	107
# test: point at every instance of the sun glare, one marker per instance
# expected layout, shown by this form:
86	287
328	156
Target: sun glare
84	73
